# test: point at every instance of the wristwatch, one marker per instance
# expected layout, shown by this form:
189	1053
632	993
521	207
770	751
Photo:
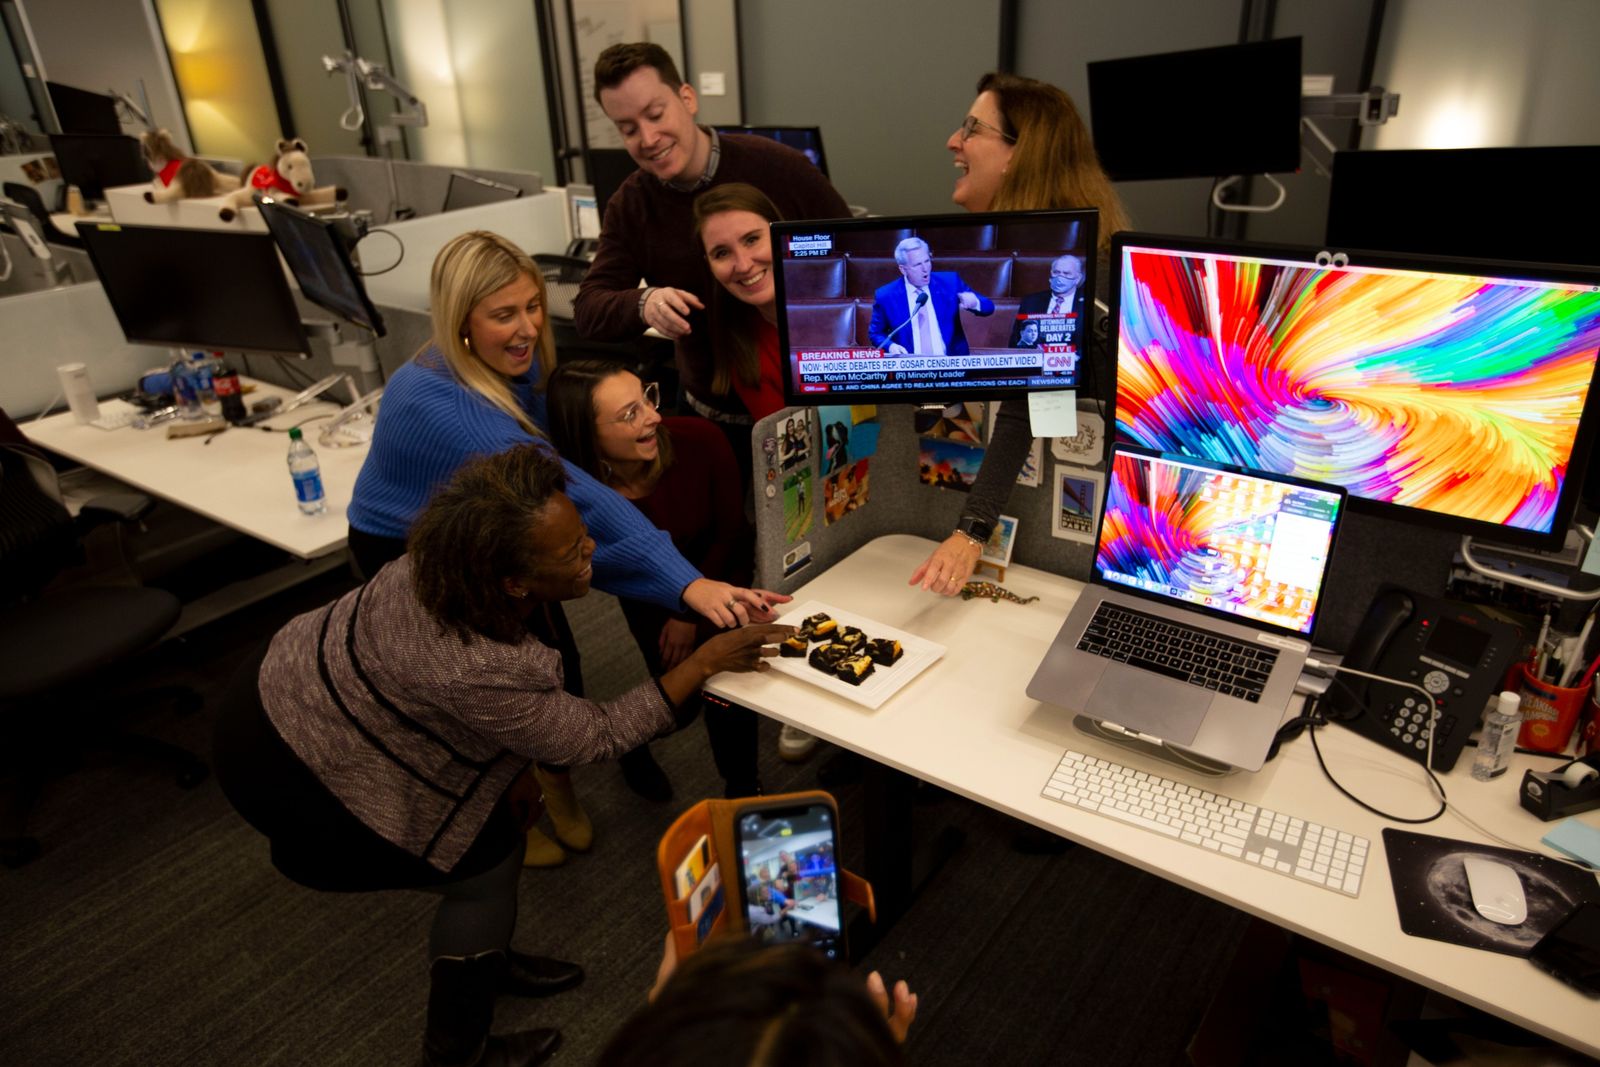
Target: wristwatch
975	529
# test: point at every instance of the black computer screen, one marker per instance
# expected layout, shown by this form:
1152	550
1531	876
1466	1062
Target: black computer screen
608	168
1007	309
80	111
469	190
1206	113
321	266
96	162
807	140
1432	201
203	289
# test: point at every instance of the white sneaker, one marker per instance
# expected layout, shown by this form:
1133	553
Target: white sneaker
795	745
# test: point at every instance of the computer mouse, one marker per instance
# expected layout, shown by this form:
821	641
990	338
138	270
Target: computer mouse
1496	890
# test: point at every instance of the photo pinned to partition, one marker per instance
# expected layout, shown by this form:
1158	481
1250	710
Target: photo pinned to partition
797	559
794	439
966	423
1031	475
948	464
1087	447
849	434
797	505
845	492
1078	497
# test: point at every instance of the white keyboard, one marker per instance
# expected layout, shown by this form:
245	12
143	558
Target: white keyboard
1300	849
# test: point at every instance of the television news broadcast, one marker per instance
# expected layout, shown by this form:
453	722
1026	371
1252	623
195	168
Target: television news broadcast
931	309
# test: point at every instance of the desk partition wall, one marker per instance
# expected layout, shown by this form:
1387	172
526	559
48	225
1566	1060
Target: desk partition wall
897	502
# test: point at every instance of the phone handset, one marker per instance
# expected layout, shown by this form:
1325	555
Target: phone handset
1390	611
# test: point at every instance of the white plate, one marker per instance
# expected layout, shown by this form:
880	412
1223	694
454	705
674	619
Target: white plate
917	655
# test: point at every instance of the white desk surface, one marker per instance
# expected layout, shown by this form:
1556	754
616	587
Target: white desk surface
240	479
966	724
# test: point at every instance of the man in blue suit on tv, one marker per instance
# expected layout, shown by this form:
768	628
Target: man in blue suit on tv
918	313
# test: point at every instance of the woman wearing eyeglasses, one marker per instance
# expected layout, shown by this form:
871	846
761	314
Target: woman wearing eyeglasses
475	389
681	475
1022	147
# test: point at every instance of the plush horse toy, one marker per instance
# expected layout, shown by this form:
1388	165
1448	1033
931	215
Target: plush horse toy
178	176
288	178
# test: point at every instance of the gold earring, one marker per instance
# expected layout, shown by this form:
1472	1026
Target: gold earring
466	342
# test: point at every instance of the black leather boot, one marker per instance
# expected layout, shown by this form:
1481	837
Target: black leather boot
460	1011
536	976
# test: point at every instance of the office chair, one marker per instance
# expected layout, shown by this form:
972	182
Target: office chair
29	197
58	643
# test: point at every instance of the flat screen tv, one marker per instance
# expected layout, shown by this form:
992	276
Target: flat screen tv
933	309
1206	113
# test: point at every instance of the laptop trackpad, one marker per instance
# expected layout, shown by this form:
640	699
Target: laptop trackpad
1150	703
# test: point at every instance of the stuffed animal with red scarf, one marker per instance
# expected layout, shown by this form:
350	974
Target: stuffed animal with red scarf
287	178
179	176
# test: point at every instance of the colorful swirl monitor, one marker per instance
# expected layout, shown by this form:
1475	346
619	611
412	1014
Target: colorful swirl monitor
1455	393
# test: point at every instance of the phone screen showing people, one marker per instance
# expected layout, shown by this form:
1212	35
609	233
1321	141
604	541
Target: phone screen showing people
788	876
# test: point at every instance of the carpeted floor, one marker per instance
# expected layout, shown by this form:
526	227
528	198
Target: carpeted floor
154	930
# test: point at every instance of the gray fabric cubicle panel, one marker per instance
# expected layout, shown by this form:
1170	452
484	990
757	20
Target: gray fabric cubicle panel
421	186
897	502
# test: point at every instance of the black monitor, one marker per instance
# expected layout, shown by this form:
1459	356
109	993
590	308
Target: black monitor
608	168
1454	393
1207	113
96	162
469	190
1431	200
807	140
80	111
321	264
849	327
202	289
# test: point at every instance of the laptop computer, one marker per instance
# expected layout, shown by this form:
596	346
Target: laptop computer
1199	613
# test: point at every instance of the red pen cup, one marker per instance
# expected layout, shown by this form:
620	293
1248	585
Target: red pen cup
1549	712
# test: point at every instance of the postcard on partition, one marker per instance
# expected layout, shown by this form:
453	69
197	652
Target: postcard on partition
845	439
967	423
1087	447
797	559
948	464
794	440
1077	503
797	504
693	867
845	492
1001	542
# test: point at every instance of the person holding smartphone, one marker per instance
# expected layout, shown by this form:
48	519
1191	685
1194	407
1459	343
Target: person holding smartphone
742	999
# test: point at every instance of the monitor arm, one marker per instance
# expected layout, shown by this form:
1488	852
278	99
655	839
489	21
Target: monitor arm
1548	589
126	103
413	111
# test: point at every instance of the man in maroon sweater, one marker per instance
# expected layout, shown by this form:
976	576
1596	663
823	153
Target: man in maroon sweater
649	225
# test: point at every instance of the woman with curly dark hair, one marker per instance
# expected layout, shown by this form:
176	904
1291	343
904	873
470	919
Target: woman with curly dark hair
382	741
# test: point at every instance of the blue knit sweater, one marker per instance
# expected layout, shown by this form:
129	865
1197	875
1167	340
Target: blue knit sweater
430	425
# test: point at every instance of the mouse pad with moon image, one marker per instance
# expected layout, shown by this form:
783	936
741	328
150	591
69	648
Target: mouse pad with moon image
1431	894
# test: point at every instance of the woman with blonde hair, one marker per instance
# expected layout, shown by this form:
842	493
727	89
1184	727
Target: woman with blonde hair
476	388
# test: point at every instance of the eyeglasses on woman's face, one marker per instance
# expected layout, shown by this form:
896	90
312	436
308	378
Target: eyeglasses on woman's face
631	413
972	124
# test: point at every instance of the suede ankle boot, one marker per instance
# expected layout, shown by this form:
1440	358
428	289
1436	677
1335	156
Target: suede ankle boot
572	825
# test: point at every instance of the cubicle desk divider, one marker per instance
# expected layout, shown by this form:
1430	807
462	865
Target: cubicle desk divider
70	325
421	186
536	223
128	206
897	502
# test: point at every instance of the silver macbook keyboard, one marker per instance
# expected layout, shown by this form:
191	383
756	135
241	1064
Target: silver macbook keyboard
1297	848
